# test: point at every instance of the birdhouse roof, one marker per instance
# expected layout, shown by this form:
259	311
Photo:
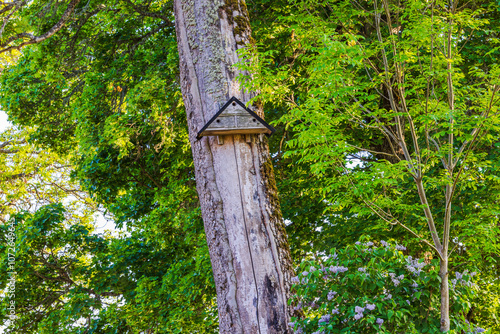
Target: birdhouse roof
241	104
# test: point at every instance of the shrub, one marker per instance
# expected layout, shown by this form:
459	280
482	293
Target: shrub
374	288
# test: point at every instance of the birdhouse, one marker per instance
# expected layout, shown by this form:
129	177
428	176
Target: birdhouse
235	118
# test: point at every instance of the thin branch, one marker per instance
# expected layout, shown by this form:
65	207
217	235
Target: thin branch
389	218
37	39
371	151
147	13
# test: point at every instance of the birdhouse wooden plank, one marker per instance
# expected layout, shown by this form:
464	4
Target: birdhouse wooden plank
235	118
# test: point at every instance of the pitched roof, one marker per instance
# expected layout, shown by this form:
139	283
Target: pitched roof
228	103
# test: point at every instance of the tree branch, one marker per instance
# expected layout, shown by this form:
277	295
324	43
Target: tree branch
37	39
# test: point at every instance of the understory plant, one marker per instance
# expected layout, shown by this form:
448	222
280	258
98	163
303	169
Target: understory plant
373	287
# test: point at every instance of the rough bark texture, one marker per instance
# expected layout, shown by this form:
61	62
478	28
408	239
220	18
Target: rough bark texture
235	181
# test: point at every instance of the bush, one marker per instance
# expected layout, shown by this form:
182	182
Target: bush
373	288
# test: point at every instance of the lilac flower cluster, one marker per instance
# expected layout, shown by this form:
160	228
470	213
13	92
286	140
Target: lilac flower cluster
367	244
299	330
331	295
385	244
387	295
414	266
359	312
400	247
324	319
359	309
396	280
475	330
334	256
337	269
379	322
460	279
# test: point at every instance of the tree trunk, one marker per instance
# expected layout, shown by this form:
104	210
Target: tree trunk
445	295
235	182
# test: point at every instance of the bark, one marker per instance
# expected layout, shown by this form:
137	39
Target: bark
235	182
445	295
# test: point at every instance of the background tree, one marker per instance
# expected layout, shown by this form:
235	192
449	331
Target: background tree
393	88
131	155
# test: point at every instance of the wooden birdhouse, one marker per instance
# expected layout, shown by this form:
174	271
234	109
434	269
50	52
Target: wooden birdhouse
235	118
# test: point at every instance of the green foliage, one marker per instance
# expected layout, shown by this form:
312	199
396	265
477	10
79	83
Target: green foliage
104	91
373	288
83	280
394	108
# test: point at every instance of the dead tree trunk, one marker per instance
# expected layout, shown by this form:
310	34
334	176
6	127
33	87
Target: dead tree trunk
235	181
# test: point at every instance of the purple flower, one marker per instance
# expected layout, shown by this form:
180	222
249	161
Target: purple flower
331	295
400	247
358	316
379	321
370	307
359	309
408	302
295	280
396	280
384	243
324	319
305	273
335	310
339	269
362	269
414	266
